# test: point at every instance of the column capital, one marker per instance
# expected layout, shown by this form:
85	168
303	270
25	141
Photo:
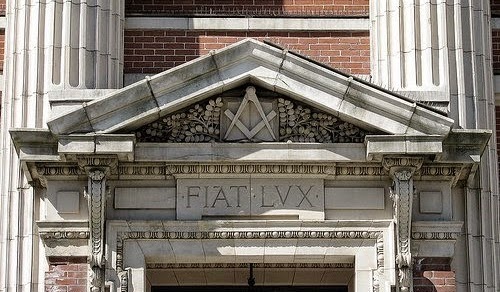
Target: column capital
92	164
402	165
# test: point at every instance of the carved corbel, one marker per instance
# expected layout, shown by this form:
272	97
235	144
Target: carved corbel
97	169
39	180
96	196
401	170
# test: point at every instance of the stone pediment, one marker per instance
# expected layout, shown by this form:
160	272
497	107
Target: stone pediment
301	82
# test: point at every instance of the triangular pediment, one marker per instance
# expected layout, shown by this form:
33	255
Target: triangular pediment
298	80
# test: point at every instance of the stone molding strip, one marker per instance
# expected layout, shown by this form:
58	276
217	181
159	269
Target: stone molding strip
250	234
240	234
441	230
65	235
158	266
63	230
238	23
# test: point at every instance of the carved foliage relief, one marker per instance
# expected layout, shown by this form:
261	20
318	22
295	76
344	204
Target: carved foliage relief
250	118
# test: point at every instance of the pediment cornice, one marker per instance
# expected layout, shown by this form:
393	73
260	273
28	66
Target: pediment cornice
252	62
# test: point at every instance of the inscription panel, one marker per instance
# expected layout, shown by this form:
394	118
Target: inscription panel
296	198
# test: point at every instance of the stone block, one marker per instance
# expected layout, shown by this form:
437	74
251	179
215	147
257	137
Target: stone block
188	250
281	276
144	198
112	145
219	250
355	198
431	202
308	277
68	202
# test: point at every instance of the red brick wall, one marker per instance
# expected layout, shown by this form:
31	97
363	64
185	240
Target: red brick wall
67	274
2	7
495	7
495	44
248	7
433	275
2	49
153	51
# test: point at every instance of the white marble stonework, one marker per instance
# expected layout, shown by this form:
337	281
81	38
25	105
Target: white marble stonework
354	198
144	198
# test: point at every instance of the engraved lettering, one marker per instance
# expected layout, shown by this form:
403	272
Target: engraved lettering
238	194
304	196
250	197
206	197
263	204
189	195
283	200
221	196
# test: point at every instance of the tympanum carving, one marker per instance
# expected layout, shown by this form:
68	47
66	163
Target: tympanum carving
250	119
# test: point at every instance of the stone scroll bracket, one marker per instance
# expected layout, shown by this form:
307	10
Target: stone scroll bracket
97	169
401	170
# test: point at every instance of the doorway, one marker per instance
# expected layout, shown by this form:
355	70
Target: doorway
250	289
266	277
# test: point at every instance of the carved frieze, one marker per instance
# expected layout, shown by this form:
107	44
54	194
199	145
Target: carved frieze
250	119
162	170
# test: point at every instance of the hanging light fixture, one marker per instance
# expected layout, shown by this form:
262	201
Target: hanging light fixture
251	278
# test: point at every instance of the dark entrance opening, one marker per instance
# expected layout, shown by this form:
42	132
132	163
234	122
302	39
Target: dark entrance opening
249	289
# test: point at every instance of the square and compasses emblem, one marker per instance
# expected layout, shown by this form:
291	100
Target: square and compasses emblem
251	119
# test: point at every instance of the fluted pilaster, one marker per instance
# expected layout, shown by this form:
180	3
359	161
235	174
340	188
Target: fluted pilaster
410	46
50	46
